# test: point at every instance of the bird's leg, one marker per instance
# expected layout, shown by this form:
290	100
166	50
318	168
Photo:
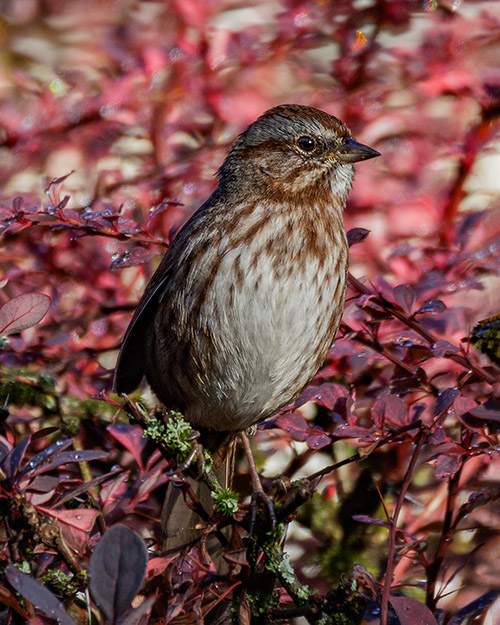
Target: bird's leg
258	493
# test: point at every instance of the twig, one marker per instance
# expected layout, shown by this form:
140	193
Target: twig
474	141
384	604
359	455
432	570
420	329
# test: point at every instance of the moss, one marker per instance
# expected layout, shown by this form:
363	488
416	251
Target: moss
226	501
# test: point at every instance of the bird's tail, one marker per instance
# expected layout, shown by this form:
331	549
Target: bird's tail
180	524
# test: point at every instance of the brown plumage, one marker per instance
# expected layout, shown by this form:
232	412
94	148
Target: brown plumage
246	302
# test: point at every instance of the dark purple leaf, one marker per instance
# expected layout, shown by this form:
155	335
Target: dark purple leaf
356	235
39	596
412	612
11	462
68	456
43	455
405	297
117	570
433	305
445	400
4	450
475	608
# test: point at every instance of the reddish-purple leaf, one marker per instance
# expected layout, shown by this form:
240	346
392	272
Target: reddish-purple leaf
160	208
22	312
487	411
295	424
405	297
356	235
476	500
39	596
130	436
442	347
317	441
329	395
117	570
351	431
85	486
391	408
447	465
412	612
136	255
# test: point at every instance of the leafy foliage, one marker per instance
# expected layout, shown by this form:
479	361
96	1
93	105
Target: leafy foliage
384	473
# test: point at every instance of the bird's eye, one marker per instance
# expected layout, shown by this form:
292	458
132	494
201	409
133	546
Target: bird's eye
306	144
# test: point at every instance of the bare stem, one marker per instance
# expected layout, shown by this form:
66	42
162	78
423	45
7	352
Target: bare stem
393	522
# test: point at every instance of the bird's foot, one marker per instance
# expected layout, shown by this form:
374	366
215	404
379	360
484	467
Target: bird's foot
260	497
258	494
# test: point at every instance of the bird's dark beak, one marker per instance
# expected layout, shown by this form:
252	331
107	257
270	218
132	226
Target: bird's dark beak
351	151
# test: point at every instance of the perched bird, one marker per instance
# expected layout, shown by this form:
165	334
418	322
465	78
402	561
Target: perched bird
242	310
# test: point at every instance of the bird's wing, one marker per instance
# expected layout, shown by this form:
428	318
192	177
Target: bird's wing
129	368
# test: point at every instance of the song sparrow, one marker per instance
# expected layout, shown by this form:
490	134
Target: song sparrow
247	300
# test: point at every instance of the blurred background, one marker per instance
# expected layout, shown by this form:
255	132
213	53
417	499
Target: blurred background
139	102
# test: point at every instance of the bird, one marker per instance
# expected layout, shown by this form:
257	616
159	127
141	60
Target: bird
247	300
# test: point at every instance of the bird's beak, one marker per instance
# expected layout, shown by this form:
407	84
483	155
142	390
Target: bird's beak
351	151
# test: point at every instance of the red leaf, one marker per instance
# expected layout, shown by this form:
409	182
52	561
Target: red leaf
130	436
156	566
80	518
412	612
22	312
74	525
